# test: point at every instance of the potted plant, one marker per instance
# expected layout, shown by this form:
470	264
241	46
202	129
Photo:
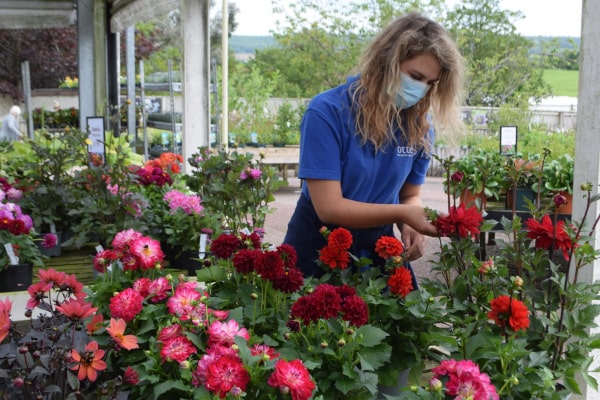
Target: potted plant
104	198
475	177
522	320
234	187
523	175
557	178
141	333
179	221
18	251
46	165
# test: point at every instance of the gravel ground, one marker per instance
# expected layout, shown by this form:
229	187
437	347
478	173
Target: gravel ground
285	201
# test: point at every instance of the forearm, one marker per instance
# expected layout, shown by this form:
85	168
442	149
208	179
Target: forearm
414	200
355	214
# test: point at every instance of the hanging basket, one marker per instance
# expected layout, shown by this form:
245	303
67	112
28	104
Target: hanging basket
16	278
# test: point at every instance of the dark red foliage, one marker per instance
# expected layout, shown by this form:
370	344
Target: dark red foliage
52	56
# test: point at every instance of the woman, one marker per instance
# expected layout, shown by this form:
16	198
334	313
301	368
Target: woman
364	145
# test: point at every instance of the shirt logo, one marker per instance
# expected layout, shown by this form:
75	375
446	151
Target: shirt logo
405	151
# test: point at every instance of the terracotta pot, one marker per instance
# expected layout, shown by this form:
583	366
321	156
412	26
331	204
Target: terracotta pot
469	198
566	208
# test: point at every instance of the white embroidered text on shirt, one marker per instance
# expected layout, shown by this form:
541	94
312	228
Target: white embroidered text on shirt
405	151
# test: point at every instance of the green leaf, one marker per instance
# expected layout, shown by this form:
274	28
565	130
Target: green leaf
369	335
164	387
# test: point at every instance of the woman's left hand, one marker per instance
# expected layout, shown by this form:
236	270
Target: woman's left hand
414	243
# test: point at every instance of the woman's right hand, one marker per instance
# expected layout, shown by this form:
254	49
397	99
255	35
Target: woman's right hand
418	218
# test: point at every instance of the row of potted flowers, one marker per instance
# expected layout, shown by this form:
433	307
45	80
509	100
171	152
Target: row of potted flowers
252	327
62	191
491	175
256	328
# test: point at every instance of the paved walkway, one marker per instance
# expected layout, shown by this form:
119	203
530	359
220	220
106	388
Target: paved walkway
285	201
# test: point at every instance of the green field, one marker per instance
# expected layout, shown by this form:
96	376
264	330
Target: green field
563	82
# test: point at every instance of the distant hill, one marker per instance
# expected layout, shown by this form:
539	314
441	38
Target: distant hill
249	44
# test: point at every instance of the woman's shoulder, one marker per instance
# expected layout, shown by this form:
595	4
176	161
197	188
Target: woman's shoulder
338	97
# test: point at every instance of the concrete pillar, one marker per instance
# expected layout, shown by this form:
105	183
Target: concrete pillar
196	77
100	63
130	46
85	60
587	146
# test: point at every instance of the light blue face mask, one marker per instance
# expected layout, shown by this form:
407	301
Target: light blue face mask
411	91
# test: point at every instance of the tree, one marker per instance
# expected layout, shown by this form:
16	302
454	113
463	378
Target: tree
170	42
499	68
249	92
320	42
52	56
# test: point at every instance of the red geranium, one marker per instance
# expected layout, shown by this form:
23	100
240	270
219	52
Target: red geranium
388	247
400	282
225	245
334	257
544	233
293	378
505	308
340	238
462	221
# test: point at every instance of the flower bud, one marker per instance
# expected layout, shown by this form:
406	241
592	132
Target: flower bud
235	347
181	277
169	277
287	336
350	331
514	380
341	343
185	364
559	200
28	313
324	345
431	300
23	349
487	267
414	388
517	281
284	389
435	385
254	296
586	187
457	176
19	382
397	260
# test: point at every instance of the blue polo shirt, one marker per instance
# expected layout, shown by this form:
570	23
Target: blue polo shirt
331	150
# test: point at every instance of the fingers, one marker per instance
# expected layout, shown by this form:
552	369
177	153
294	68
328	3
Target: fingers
414	252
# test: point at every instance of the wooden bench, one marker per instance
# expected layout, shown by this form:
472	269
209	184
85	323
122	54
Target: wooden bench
281	157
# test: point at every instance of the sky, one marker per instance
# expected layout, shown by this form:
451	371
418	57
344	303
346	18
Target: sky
542	17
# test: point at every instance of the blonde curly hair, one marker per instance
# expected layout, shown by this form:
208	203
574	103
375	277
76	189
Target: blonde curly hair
374	99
